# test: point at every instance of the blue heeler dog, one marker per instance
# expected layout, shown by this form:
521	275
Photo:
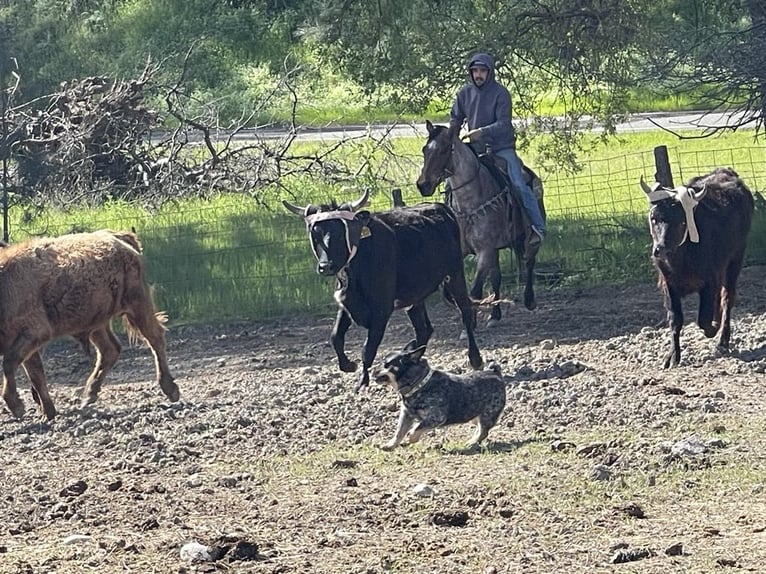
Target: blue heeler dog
432	399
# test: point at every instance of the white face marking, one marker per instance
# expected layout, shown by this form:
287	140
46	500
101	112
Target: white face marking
431	145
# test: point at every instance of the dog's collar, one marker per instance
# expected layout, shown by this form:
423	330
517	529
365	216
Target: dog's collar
408	392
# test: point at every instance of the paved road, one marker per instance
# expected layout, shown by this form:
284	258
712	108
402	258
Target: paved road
637	123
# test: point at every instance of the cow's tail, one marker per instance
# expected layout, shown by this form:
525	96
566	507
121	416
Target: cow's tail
132	330
488	301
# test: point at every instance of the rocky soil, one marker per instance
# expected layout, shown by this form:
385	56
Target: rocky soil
602	462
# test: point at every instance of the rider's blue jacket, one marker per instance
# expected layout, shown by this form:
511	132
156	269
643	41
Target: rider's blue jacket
487	107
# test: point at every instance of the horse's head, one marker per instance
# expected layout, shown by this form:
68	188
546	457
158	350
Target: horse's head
437	154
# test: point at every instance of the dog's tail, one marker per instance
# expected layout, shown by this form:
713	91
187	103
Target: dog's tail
495	368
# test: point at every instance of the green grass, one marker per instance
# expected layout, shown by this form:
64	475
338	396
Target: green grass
230	259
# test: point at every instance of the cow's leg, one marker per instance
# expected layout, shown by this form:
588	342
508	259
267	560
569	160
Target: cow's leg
709	302
338	339
676	322
422	324
457	290
33	366
107	351
144	319
728	299
378	323
23	346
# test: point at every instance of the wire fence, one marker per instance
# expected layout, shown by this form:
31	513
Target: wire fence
247	263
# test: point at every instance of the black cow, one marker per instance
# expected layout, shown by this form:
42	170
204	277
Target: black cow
699	234
386	261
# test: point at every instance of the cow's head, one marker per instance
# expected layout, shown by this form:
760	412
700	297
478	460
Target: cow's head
437	154
671	216
334	231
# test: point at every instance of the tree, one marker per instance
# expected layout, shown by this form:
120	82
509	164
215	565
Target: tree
715	50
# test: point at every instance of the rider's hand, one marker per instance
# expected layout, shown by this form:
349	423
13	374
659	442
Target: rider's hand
472	135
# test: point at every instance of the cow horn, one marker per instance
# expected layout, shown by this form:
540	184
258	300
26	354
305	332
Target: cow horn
294	208
644	186
698	195
361	201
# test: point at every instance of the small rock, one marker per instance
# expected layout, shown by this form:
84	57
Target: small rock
75	489
444	518
423	490
600	472
676	549
561	445
591	449
630	555
690	446
631	509
195	552
76	539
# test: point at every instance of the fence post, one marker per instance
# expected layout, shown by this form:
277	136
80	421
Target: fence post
396	197
662	164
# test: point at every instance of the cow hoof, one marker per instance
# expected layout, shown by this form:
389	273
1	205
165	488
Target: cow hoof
347	366
172	393
88	400
16	406
50	412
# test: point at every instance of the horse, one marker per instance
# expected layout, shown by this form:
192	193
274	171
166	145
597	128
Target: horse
489	216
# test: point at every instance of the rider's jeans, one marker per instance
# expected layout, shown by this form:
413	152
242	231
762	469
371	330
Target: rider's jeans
528	198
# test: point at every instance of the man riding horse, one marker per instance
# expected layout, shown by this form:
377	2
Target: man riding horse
485	105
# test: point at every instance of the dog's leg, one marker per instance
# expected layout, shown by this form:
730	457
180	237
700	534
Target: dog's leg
435	419
482	430
405	422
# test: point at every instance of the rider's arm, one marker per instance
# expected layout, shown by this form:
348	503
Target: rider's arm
502	121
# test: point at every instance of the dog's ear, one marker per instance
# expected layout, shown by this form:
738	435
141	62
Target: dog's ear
417	353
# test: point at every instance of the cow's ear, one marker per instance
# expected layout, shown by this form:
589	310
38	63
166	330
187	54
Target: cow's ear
362	217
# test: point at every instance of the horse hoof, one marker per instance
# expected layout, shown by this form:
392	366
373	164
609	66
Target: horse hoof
493	323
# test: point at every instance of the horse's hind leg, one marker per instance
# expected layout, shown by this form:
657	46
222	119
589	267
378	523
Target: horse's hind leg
526	275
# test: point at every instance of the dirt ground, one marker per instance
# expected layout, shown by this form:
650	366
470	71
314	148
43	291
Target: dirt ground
602	462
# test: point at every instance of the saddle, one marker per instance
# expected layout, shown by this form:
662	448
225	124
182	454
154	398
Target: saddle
498	167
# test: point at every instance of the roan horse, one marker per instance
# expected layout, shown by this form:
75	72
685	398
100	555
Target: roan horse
489	218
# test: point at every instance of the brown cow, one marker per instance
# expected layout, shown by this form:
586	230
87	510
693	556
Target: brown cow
74	285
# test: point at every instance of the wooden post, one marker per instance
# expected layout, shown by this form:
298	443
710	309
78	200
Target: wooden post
396	197
662	164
